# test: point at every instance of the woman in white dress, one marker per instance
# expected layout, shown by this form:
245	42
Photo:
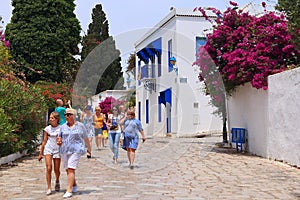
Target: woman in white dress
88	121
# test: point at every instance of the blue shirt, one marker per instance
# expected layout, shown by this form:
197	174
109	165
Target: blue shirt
73	138
132	126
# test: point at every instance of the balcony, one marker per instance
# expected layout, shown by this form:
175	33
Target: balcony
147	77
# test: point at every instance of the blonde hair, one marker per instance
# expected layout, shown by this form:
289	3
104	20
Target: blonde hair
55	115
98	108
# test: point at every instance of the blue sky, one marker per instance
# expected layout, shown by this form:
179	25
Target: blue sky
131	14
129	19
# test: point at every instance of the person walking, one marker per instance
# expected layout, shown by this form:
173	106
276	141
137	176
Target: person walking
61	110
50	150
132	127
99	121
122	113
72	141
114	132
88	121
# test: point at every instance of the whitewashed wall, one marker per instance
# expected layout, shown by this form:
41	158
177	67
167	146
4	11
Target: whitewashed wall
247	108
284	117
271	117
117	94
186	118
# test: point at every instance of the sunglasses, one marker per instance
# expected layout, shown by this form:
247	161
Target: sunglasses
68	114
114	110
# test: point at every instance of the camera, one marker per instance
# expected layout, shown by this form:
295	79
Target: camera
113	127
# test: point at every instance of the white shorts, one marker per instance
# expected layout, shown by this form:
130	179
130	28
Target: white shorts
71	160
54	154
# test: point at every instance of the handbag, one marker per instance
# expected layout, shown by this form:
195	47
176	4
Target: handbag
105	133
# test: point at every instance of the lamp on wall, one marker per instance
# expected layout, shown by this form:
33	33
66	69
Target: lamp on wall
173	63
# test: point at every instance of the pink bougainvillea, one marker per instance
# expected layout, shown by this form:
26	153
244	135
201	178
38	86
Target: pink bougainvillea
244	48
2	39
248	48
108	103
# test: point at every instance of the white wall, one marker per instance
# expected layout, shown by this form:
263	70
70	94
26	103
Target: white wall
117	94
185	118
284	117
247	108
271	117
201	118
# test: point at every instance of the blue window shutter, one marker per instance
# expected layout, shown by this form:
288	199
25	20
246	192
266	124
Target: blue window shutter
169	55
159	65
147	111
145	73
139	114
139	71
159	108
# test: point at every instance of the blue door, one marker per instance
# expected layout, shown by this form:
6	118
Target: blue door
165	97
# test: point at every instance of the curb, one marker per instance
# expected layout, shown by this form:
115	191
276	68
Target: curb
12	157
200	135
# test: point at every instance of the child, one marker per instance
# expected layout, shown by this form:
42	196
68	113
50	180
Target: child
50	150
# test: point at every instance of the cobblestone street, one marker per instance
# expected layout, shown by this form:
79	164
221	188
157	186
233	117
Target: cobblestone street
165	168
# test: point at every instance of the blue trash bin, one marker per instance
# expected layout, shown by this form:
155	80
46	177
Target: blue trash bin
239	137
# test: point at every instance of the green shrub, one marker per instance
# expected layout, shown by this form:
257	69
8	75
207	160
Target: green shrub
7	138
22	110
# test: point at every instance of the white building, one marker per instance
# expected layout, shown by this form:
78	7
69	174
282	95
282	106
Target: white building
117	94
171	100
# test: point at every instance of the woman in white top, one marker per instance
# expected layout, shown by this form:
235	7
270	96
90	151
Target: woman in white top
114	132
72	141
50	150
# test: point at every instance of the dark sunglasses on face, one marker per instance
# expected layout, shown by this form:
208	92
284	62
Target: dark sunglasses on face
68	114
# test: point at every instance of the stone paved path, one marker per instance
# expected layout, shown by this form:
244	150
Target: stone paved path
166	168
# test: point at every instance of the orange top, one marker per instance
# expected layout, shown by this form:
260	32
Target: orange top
98	121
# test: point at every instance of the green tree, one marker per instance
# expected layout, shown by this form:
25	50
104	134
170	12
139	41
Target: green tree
97	31
131	65
101	60
292	12
44	36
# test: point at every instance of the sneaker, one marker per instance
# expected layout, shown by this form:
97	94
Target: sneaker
74	188
57	187
67	195
48	192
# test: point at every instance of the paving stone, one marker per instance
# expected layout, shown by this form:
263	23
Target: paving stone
165	168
